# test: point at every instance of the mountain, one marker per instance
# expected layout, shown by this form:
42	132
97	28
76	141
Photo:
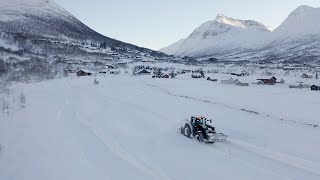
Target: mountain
173	47
43	27
303	21
220	35
297	38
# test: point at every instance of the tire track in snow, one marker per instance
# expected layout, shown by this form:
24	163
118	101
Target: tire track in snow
226	152
290	161
233	107
60	117
110	144
121	152
279	157
115	147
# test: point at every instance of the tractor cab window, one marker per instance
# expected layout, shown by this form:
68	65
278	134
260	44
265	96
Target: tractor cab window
199	121
193	119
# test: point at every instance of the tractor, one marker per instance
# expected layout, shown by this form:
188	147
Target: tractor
198	127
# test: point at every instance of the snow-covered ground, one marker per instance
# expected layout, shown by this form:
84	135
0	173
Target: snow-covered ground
127	128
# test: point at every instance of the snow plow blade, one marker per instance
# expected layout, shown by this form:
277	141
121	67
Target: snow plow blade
217	137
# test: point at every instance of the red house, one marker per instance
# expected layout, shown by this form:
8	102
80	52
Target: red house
271	81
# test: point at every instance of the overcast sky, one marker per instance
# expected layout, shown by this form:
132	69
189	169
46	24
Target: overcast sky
158	23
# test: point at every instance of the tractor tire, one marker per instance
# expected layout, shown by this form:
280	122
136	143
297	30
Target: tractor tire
187	131
199	137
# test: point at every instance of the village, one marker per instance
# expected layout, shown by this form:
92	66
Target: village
293	77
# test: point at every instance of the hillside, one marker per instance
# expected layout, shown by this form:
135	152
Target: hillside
43	27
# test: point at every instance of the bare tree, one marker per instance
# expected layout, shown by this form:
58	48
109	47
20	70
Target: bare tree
22	100
172	74
5	106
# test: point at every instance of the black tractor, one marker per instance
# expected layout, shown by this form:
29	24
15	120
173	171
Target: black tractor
199	127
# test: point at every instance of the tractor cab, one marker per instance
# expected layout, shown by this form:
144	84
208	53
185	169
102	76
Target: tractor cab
200	120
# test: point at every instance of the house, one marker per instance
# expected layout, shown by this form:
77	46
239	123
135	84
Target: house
84	73
239	83
162	75
122	64
144	72
186	71
288	68
263	66
259	83
214	80
306	76
238	74
197	76
300	86
115	72
103	71
315	88
229	81
165	76
306	86
246	73
70	71
111	66
271	81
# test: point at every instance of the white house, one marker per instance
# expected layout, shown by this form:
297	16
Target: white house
229	81
239	83
144	72
300	86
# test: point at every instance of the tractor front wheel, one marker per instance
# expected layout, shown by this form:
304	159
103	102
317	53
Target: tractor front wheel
199	137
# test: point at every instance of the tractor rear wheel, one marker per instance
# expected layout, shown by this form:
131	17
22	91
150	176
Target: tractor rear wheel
187	131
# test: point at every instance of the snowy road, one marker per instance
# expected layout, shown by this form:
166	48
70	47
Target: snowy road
126	128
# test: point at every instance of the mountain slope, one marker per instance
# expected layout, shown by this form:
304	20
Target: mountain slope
42	18
222	34
173	47
302	21
38	23
296	39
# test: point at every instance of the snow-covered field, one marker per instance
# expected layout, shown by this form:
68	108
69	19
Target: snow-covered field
127	128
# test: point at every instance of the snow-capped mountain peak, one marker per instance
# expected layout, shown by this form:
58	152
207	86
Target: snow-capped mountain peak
222	32
241	23
297	38
302	21
302	8
229	21
223	24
